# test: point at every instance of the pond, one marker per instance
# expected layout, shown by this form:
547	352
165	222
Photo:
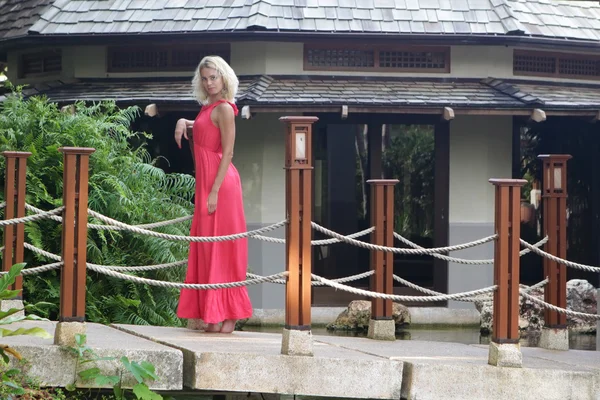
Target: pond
457	335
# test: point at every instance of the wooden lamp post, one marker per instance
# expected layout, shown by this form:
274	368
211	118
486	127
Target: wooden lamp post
297	336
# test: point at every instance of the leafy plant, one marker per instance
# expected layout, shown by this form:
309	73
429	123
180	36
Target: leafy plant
10	384
142	372
124	184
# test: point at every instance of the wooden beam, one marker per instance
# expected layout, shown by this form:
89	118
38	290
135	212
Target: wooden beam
538	115
344	111
151	110
448	114
246	114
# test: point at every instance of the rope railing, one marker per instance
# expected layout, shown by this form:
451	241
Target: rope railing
176	285
36	210
38	270
559	309
209	239
393	297
402	250
320	242
30	218
462	260
559	260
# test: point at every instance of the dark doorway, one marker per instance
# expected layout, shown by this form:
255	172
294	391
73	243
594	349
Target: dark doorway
349	152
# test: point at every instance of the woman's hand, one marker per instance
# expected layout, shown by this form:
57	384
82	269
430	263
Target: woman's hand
212	202
180	131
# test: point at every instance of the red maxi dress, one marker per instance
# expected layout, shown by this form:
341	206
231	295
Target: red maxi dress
216	262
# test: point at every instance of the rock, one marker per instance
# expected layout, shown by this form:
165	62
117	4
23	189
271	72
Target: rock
581	297
356	317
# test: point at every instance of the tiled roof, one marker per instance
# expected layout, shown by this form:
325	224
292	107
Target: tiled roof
563	95
549	18
318	91
17	16
380	92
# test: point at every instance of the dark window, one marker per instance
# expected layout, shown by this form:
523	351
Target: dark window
162	58
374	58
41	63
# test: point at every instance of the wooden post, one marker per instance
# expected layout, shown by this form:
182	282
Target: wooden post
381	325
74	235
505	325
298	204
14	195
554	206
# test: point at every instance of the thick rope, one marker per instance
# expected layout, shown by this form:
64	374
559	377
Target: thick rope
116	228
31	218
316	283
462	260
393	297
211	239
321	242
400	250
38	270
559	309
42	252
176	285
560	260
141	267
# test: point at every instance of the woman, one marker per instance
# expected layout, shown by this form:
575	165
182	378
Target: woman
219	208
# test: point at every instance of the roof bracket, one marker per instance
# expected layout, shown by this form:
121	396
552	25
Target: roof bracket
448	114
538	115
344	111
595	118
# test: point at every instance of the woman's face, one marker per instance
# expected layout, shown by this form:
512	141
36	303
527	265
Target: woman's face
211	81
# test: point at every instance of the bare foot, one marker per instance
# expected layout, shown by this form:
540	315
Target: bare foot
212	328
228	326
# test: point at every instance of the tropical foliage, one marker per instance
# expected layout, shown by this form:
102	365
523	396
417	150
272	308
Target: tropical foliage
124	184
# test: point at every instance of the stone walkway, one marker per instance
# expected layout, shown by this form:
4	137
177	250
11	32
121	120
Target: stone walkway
342	367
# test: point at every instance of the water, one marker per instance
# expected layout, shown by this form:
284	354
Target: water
455	335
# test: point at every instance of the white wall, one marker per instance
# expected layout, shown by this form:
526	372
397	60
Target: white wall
259	157
480	149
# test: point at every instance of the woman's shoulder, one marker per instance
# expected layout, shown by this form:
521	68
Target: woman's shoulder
225	106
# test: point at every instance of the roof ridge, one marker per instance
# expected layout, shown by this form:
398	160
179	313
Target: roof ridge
512	91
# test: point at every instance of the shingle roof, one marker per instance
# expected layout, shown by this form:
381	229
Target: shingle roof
550	18
17	16
319	91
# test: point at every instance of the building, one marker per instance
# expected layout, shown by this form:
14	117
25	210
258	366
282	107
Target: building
469	73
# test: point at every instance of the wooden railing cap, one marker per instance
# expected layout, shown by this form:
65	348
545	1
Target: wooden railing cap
16	154
382	181
298	119
77	150
508	182
554	156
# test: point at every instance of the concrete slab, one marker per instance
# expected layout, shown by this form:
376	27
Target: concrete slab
434	370
252	362
56	366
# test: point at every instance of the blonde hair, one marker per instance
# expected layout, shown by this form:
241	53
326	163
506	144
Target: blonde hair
230	81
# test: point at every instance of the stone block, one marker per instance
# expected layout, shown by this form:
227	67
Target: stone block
65	332
6	305
554	339
505	355
382	329
296	343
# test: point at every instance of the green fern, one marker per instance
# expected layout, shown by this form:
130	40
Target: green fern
125	184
